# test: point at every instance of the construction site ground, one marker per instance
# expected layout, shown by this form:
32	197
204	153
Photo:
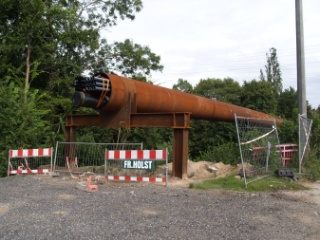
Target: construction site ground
46	207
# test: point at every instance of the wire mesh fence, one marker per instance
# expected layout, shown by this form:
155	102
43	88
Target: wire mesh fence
305	125
29	161
79	157
259	147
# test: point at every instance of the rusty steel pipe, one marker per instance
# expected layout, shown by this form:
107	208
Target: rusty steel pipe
156	99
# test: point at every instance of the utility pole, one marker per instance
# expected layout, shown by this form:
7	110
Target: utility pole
301	80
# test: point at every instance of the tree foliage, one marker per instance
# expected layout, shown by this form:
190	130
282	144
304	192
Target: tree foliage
58	39
288	103
127	59
183	86
259	96
273	73
44	44
204	135
23	123
226	90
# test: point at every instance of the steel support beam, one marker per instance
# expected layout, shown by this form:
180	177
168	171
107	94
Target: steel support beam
180	153
143	120
179	122
71	138
71	133
160	120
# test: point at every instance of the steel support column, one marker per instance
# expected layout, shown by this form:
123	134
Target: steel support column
71	133
180	152
71	138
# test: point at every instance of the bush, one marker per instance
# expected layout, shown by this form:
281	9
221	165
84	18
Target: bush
22	122
227	153
312	164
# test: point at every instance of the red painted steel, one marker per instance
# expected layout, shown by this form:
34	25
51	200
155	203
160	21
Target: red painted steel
129	103
155	99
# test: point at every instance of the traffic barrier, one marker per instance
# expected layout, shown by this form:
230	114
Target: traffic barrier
30	161
288	152
137	165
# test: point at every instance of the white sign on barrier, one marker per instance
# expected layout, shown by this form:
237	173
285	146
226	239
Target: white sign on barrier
142	161
136	164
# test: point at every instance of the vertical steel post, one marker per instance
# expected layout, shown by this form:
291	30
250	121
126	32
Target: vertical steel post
71	133
301	81
8	164
240	149
55	157
300	142
51	160
71	139
180	152
166	167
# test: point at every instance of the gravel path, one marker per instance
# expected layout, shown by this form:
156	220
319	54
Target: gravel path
43	207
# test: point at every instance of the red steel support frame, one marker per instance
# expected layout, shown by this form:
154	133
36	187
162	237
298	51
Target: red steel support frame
179	122
180	152
137	104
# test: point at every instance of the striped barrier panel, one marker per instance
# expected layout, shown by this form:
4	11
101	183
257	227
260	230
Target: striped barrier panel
137	165
288	153
30	161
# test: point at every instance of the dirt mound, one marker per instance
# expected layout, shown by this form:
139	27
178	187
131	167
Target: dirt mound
206	170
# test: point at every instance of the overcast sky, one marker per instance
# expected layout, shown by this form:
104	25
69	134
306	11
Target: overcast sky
218	39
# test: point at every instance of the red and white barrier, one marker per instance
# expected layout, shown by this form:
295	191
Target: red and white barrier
135	179
136	154
142	160
21	153
18	161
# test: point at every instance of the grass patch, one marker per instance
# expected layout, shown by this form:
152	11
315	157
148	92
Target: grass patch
235	184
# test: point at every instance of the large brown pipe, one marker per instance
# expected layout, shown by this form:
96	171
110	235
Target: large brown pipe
155	99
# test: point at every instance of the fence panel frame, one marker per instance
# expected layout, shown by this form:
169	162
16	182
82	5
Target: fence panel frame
137	155
87	144
305	126
29	153
272	130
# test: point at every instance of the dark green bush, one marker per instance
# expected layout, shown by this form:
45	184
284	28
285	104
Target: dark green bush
227	153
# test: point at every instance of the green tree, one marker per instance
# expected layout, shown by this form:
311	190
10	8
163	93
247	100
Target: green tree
183	86
44	44
127	59
272	71
288	104
259	96
57	39
288	132
315	134
22	122
205	135
152	138
226	90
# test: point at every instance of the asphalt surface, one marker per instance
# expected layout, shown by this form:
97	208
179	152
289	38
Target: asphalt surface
43	207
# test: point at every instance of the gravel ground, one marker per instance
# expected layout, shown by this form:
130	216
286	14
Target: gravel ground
43	207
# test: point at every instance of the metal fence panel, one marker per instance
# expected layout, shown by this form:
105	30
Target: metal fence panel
259	147
305	125
30	161
79	157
